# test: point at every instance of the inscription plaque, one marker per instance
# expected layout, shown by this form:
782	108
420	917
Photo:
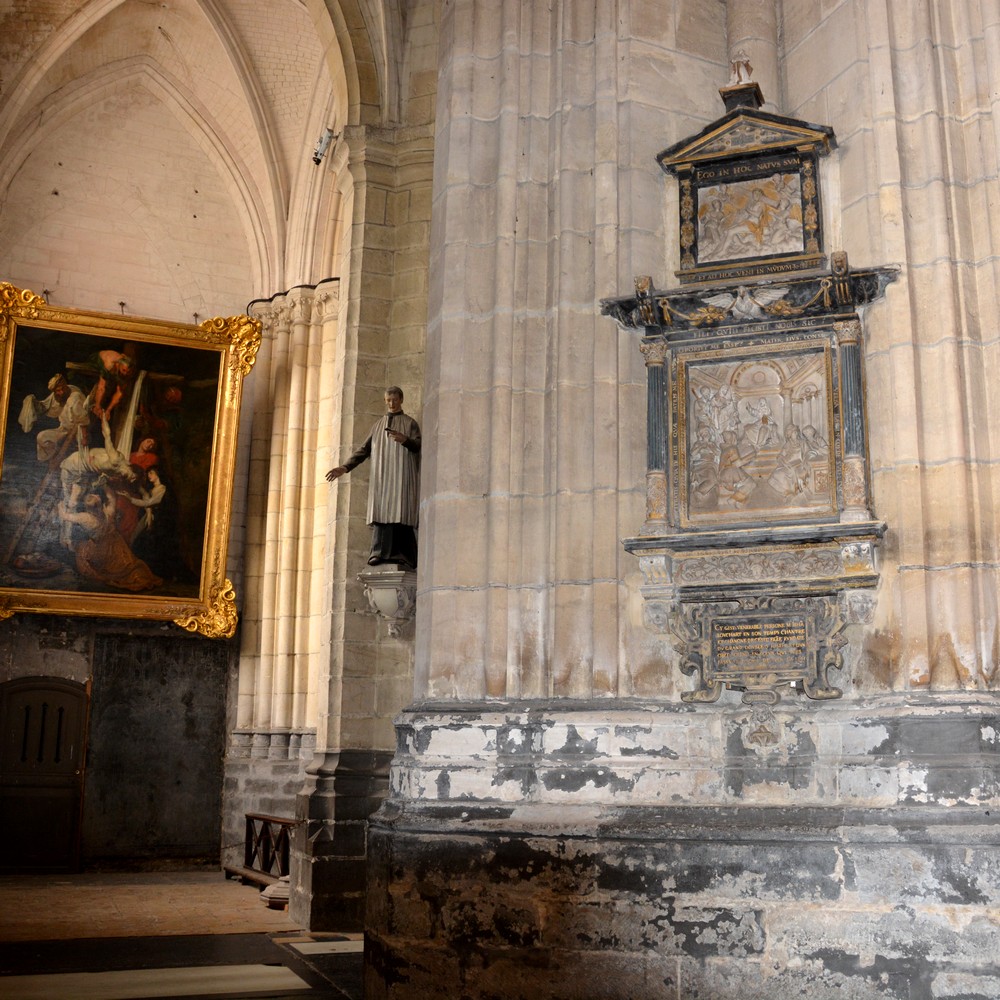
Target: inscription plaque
774	645
760	645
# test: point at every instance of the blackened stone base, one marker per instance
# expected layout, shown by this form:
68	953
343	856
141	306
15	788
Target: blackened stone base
693	903
329	845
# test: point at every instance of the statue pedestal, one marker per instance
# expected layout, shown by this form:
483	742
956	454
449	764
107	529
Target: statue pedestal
392	594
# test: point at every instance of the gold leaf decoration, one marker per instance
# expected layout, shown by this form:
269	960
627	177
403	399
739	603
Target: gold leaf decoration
19	299
16	302
242	332
220	619
783	308
707	314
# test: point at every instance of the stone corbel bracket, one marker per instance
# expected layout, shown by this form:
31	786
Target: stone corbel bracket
392	595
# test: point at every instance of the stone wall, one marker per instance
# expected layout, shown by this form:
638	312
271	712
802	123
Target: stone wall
554	850
684	902
559	824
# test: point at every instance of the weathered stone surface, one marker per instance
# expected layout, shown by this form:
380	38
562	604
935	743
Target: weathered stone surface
913	750
764	903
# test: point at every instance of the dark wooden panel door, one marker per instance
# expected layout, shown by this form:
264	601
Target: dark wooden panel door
43	722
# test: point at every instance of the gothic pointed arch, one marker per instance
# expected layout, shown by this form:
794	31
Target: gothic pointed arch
356	44
253	209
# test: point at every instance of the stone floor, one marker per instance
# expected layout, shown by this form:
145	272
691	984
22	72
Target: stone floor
162	934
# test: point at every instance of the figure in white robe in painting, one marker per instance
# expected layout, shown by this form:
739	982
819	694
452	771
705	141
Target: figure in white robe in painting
65	403
393	492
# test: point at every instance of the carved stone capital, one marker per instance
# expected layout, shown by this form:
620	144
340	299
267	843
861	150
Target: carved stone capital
654	351
848	332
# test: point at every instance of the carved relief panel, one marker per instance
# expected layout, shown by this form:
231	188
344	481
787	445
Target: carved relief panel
758	517
754	432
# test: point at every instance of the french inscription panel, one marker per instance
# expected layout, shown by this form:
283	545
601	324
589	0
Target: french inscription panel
772	645
760	645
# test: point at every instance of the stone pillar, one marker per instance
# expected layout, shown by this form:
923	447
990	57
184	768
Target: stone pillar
752	28
367	677
282	623
931	352
529	393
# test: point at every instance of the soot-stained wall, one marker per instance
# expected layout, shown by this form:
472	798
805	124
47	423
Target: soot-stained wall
157	736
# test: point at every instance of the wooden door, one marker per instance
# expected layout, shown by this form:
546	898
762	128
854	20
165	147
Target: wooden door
43	722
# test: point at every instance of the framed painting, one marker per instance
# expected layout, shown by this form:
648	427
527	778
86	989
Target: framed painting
117	452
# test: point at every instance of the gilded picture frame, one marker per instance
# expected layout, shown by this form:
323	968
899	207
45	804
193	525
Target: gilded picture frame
117	454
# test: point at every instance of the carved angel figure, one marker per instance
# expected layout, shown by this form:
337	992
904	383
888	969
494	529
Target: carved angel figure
745	304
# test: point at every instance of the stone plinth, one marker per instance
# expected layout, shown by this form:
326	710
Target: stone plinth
646	851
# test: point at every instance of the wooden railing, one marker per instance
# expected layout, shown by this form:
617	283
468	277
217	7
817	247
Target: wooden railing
265	850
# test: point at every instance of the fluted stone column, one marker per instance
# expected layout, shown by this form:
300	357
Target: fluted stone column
281	654
367	675
656	438
535	403
853	414
915	191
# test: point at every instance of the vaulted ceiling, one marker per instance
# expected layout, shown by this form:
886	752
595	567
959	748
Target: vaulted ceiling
172	141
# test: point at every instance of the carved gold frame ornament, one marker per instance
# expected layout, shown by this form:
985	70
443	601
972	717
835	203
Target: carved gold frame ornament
235	340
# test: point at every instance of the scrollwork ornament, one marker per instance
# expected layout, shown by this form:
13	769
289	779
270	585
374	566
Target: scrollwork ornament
242	333
19	300
16	303
656	616
753	567
219	620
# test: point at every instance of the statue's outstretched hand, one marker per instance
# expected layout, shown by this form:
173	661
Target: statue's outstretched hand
335	473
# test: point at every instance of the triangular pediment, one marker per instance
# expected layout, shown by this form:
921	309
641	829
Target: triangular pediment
746	132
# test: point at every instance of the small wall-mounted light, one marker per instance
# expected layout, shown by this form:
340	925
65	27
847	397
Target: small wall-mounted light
323	144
